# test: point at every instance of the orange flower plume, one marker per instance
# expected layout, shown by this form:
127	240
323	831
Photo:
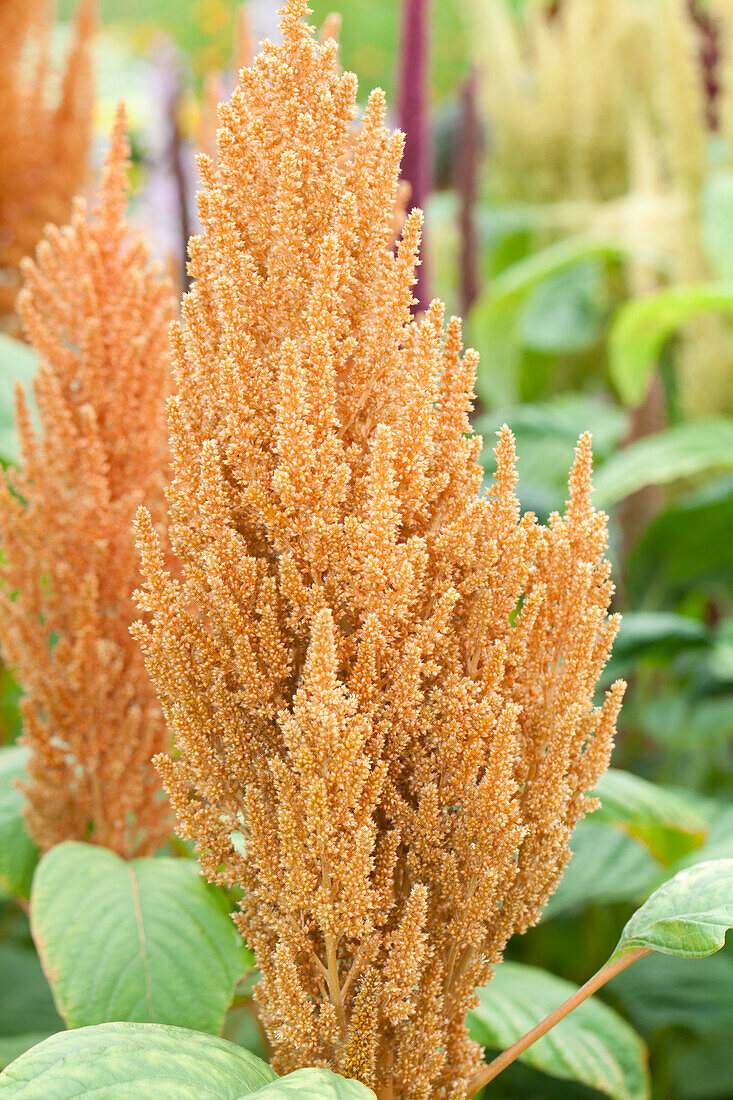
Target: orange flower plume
97	313
380	679
44	140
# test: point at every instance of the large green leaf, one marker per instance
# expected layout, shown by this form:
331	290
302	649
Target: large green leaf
18	853
666	821
564	313
127	1061
643	324
146	940
315	1084
663	991
688	915
719	841
608	865
687	449
687	544
18	363
12	1046
592	1045
494	318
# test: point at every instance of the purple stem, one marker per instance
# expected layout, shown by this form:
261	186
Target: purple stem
170	91
414	118
468	156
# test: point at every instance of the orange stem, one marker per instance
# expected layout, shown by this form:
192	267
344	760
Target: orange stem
610	970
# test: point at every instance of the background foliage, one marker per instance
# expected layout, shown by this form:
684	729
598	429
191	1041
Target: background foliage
565	346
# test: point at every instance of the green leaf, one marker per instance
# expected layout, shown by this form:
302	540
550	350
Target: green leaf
18	363
315	1084
719	842
666	821
608	865
117	1060
684	545
18	853
146	940
642	325
12	1046
658	632
494	318
592	1045
661	991
688	916
564	313
687	449
716	221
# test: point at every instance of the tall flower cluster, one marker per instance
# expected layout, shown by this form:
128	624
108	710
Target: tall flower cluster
380	679
44	138
97	312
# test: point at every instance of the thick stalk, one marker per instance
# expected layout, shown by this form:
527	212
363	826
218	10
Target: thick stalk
414	119
610	970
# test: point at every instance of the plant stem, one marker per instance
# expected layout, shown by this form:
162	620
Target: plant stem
414	119
334	983
466	176
610	970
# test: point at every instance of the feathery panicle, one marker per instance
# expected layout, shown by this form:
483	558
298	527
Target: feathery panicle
97	313
380	680
43	142
561	84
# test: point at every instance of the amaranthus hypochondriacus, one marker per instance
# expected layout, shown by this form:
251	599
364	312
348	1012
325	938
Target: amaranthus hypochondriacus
380	679
44	139
97	313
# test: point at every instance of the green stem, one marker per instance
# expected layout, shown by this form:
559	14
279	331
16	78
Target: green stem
610	970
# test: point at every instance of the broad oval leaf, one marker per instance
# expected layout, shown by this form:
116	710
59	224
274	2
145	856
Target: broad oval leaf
689	915
666	821
593	1045
125	1060
315	1084
18	853
18	363
144	941
686	449
12	1046
642	326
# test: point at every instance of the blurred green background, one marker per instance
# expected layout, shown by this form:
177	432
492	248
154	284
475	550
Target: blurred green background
203	28
605	305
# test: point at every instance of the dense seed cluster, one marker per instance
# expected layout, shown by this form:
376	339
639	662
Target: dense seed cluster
97	312
380	679
44	138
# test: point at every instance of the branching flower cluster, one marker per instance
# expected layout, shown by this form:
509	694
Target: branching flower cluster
97	312
380	679
44	139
